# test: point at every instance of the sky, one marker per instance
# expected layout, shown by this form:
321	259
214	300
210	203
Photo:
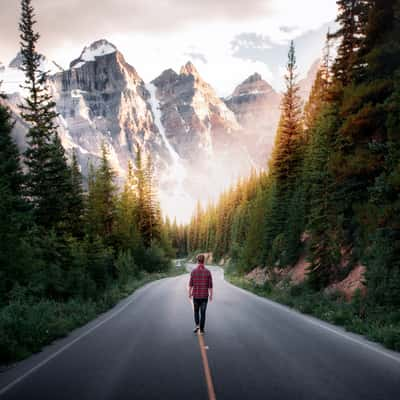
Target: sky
227	40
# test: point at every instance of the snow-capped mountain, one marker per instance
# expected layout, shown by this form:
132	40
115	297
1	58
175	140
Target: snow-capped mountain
102	99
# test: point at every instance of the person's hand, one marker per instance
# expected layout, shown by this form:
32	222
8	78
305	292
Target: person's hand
211	298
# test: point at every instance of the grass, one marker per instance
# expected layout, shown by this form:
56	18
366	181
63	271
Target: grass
28	324
376	324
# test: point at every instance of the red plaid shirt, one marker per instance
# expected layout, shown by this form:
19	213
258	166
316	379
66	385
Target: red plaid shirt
201	281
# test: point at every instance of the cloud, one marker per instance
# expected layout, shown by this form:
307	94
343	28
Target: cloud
227	39
253	47
197	56
287	29
251	40
76	20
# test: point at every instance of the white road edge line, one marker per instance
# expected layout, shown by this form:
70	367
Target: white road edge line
312	321
66	346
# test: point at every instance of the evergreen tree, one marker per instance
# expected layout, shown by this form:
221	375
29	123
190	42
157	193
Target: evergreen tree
324	246
76	200
127	231
352	18
383	253
48	173
13	209
149	212
285	156
102	196
286	161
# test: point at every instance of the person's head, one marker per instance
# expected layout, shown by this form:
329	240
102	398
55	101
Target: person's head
200	258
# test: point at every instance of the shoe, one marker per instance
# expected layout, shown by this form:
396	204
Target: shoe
201	331
196	329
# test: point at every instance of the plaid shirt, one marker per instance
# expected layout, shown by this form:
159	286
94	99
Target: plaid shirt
201	281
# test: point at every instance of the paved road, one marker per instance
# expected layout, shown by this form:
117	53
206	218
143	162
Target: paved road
144	349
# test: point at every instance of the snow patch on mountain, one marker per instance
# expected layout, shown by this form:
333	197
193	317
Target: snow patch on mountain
97	49
156	109
79	64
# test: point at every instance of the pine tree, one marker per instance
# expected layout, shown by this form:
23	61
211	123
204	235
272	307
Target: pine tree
107	190
352	18
101	208
325	242
76	201
289	136
149	212
48	173
152	203
383	251
127	230
286	161
320	92
14	215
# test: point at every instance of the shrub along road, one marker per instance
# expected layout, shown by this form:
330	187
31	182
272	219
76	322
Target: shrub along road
256	349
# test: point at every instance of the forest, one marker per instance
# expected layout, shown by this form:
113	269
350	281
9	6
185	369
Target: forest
67	250
331	189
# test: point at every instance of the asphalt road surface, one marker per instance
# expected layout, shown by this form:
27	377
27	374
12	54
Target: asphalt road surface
255	349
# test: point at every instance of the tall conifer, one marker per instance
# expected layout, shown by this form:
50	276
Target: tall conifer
48	173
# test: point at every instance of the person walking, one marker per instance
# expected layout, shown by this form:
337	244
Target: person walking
200	290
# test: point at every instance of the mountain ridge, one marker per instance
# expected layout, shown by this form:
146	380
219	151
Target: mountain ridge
101	98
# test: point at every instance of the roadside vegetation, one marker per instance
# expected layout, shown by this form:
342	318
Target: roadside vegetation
28	323
377	324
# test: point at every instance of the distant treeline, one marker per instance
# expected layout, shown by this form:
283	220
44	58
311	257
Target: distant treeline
333	180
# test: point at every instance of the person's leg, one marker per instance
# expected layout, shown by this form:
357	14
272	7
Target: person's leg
203	308
196	306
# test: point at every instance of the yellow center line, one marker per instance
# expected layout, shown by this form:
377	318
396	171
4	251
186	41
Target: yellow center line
207	372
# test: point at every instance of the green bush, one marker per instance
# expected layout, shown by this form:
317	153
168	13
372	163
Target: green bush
125	266
156	260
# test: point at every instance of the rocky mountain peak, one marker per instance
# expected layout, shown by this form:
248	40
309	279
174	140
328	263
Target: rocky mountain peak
17	61
254	85
45	64
252	78
167	77
97	49
189	69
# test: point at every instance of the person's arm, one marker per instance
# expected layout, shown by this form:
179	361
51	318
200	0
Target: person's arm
190	287
210	287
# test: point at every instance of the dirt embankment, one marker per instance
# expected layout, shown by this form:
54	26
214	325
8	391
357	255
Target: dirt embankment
354	280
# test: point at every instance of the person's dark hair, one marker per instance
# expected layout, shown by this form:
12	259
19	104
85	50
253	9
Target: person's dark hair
200	258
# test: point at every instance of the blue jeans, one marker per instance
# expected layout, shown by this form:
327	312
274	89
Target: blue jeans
200	306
